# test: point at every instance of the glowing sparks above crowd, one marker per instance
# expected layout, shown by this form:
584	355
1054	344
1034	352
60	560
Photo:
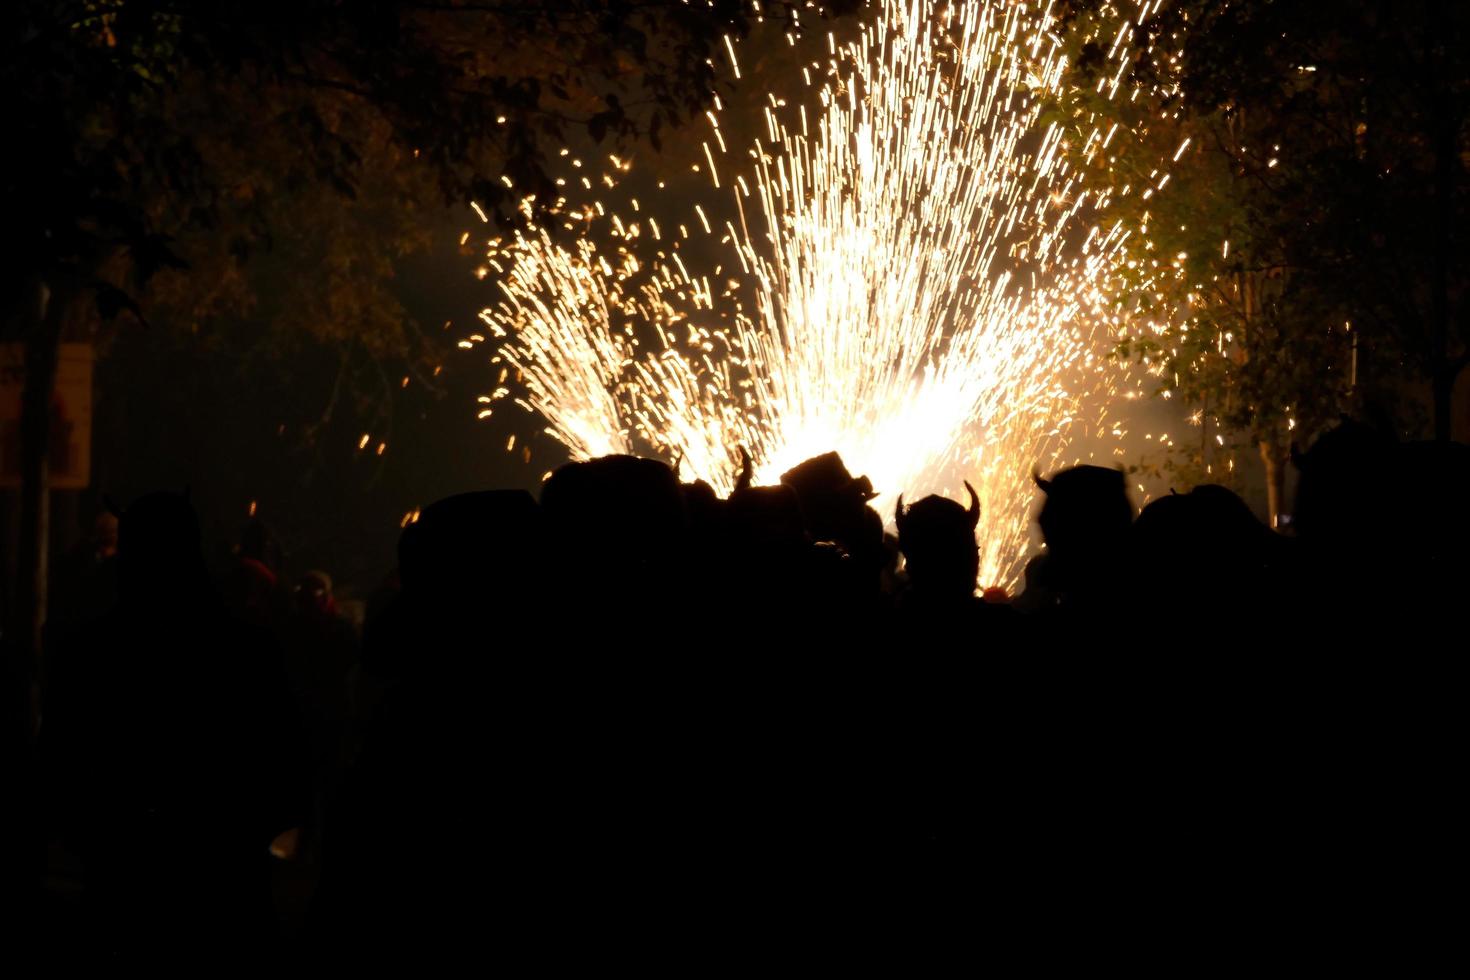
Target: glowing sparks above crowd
927	282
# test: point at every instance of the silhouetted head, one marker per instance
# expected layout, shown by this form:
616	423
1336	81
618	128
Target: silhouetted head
767	519
1434	487
159	551
1083	503
1346	493
937	537
1209	526
833	502
1084	519
616	510
1236	528
1200	551
1370	507
470	542
704	507
827	476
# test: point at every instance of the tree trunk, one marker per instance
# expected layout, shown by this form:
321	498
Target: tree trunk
43	344
1274	456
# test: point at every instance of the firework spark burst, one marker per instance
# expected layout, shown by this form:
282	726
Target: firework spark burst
931	281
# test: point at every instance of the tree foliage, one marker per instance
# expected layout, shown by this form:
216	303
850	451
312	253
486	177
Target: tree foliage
252	172
144	121
1306	255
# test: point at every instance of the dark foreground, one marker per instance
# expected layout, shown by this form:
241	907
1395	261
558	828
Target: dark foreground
635	727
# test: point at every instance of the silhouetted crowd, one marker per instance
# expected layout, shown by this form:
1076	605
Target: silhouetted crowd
635	726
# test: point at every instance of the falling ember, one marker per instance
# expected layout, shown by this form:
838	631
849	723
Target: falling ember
931	283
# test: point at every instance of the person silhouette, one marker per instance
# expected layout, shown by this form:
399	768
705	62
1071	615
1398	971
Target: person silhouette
174	756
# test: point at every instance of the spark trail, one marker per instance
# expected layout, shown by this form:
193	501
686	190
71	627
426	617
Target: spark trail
930	282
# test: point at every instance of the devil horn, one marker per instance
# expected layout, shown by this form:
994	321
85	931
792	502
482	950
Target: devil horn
974	510
747	471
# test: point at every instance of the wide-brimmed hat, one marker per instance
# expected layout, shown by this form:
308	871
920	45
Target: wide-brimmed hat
827	475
